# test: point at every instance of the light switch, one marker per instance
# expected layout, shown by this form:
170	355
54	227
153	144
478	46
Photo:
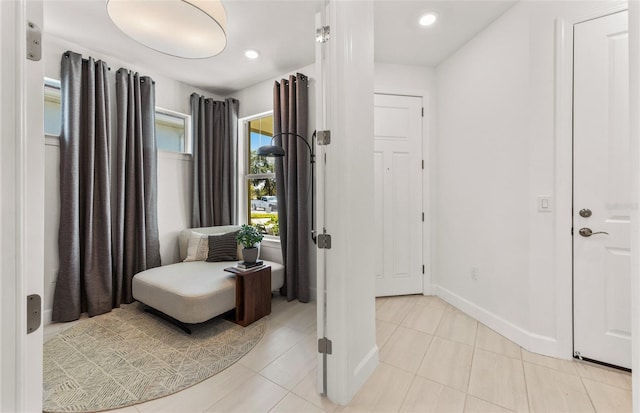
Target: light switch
544	204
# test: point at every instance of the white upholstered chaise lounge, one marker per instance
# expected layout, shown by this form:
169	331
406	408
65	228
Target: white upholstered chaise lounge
196	291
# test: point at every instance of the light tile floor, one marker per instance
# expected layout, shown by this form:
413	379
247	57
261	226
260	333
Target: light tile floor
433	358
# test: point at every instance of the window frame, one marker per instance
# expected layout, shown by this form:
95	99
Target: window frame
244	147
188	137
52	91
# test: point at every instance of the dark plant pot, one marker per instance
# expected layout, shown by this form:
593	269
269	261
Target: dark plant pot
250	254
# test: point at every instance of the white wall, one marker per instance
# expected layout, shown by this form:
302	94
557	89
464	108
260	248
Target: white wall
496	154
174	170
170	94
403	79
259	97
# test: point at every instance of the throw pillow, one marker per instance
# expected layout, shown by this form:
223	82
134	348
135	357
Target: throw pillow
223	247
197	247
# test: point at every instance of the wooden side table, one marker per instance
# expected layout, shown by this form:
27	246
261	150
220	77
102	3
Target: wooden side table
253	294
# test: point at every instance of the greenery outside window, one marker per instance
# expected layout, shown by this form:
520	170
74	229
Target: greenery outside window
262	202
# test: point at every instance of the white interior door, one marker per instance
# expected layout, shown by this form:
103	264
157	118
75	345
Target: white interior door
398	194
602	191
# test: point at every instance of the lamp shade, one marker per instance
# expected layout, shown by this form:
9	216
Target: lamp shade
192	29
270	151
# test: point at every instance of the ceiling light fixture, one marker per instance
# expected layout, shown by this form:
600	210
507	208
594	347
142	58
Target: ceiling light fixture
428	19
192	29
251	54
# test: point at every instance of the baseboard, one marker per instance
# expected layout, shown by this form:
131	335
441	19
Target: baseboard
47	316
366	366
532	342
363	372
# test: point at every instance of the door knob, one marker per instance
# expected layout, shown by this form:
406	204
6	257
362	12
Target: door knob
586	232
585	213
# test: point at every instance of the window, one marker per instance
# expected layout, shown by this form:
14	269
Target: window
52	107
262	203
172	131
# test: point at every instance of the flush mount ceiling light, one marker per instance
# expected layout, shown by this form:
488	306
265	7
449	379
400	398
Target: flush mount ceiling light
428	19
193	29
251	54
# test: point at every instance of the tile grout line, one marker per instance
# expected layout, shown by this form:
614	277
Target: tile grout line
470	371
404	398
473	356
524	375
587	392
601	381
415	374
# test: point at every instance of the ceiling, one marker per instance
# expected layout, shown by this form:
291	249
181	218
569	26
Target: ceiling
283	31
399	38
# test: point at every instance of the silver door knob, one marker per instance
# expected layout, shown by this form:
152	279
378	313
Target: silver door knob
586	232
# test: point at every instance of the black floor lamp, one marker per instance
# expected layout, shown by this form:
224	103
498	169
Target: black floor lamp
274	151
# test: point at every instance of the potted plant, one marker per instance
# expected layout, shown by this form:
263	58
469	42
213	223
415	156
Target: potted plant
249	237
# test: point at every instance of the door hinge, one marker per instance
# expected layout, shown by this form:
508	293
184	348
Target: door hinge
324	346
571	230
423	112
423	164
423	217
324	241
34	315
423	268
323	137
323	34
34	42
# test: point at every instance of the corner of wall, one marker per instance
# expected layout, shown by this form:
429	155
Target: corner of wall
532	342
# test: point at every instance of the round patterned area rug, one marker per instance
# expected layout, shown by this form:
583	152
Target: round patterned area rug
128	356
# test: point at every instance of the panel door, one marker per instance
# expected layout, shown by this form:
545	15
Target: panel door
602	191
398	194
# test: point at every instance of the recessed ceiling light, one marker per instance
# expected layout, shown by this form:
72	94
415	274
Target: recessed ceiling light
428	19
192	29
251	54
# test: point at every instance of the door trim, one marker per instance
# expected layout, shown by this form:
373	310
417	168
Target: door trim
428	240
23	211
563	129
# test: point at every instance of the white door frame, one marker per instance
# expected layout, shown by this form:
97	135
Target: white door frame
22	208
564	180
428	236
634	132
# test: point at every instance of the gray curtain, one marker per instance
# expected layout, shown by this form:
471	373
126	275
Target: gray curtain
136	245
293	183
215	137
85	273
